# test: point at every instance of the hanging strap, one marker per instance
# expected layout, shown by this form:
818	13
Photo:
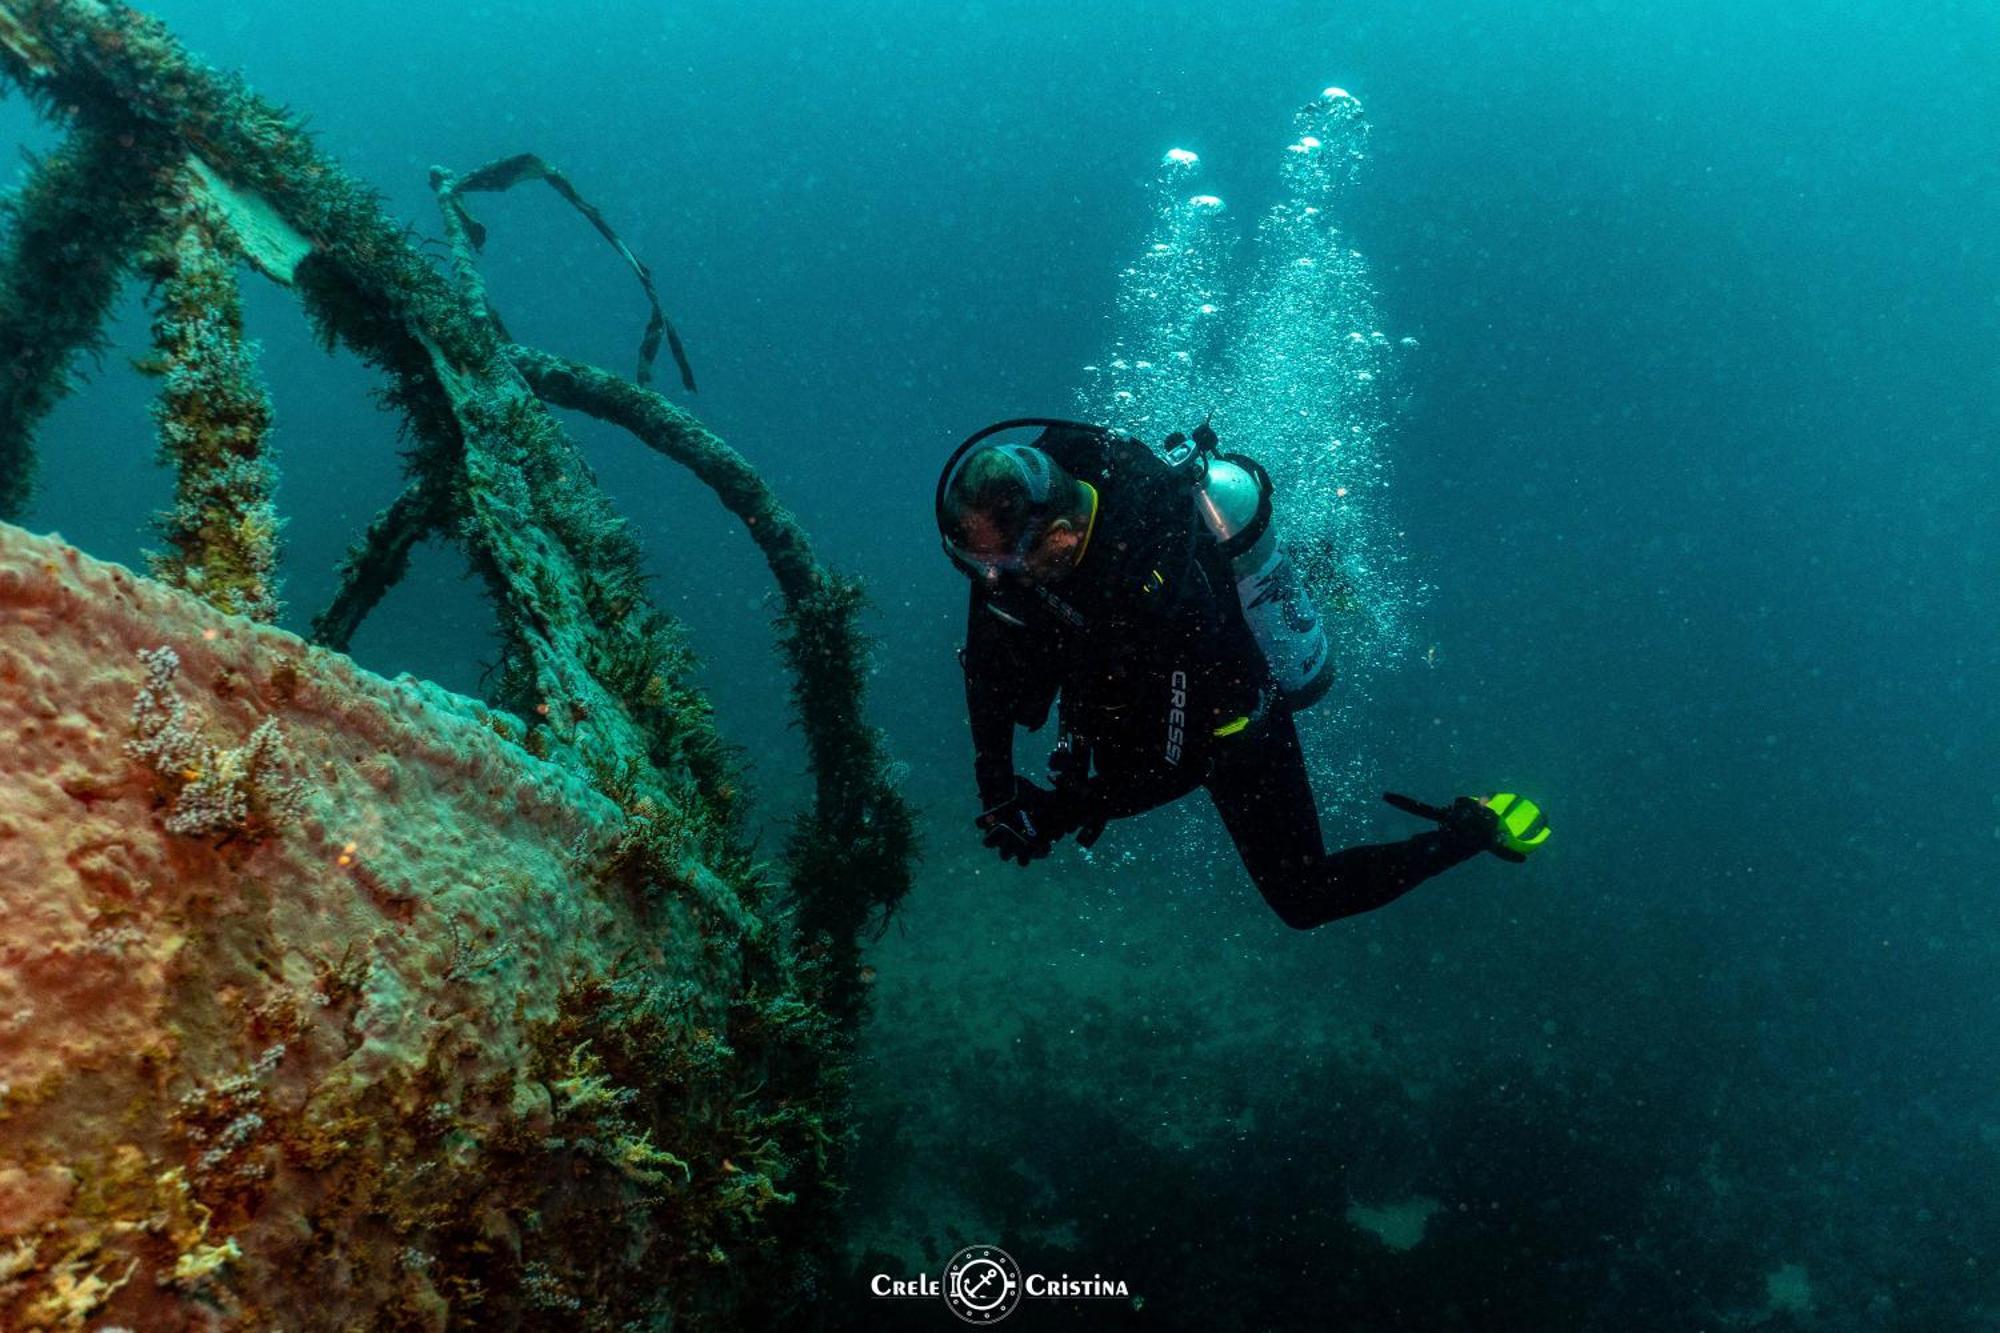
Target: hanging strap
508	172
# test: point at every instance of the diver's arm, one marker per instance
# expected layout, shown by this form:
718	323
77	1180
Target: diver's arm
1003	689
999	680
992	742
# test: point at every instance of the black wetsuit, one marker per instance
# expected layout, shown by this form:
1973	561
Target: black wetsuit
1146	645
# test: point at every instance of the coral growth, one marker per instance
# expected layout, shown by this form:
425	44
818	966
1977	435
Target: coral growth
208	788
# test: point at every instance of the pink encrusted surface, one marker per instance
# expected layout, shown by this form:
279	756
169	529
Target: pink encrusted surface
140	971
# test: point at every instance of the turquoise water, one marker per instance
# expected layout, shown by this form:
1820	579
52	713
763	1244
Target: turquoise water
1669	502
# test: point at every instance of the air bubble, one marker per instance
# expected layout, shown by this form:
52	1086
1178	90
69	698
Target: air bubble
1274	332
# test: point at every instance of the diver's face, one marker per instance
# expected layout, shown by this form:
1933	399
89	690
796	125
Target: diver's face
1052	558
1041	558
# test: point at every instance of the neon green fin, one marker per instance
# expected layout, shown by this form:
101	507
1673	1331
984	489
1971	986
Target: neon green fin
1517	815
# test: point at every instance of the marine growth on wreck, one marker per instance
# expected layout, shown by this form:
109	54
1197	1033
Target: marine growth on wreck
329	1001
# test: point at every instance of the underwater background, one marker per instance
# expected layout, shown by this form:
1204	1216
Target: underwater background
1677	513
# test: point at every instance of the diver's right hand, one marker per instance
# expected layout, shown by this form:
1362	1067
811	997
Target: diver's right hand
1024	827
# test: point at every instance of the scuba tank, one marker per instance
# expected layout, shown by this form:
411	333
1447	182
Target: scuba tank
1232	493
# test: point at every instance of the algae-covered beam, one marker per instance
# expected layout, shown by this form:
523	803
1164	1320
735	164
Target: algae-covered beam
850	855
214	418
72	232
679	435
378	561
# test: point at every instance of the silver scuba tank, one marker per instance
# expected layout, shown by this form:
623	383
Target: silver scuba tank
1232	493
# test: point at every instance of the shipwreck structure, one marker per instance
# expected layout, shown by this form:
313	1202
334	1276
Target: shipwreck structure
328	1001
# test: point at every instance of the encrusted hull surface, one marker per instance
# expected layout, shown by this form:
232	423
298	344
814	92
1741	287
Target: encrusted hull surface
362	1063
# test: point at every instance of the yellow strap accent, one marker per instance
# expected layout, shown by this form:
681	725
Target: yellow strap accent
1231	728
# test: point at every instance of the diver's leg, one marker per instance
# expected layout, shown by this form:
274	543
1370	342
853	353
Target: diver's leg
1123	784
1260	788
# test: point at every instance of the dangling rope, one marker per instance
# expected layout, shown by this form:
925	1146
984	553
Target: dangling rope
508	172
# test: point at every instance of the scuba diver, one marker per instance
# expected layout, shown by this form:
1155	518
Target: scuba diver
1149	595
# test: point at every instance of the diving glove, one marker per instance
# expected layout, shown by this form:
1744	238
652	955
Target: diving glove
1500	824
1026	826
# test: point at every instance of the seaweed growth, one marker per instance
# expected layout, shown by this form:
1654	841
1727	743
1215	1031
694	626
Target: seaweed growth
213	417
72	231
851	853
